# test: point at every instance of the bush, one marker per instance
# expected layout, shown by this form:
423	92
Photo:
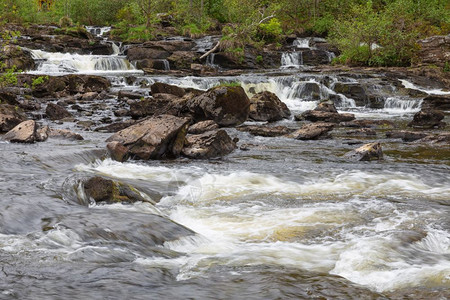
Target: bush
270	31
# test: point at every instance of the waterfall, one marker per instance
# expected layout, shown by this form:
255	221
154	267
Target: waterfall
64	63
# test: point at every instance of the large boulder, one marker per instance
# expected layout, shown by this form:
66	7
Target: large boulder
56	112
266	106
157	105
436	102
211	144
108	191
427	119
226	105
313	131
202	127
10	117
265	131
164	88
25	132
367	152
154	138
434	50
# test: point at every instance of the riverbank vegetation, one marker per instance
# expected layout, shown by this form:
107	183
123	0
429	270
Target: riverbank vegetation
372	33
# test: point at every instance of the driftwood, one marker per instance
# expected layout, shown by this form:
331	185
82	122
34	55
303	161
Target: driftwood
214	49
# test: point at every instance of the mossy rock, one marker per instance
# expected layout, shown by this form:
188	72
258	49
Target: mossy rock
108	191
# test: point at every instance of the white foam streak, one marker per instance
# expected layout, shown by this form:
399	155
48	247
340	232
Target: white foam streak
409	85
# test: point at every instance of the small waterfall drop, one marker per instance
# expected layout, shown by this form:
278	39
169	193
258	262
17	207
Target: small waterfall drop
396	104
291	60
98	31
301	43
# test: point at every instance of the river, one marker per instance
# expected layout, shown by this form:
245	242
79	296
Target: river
285	219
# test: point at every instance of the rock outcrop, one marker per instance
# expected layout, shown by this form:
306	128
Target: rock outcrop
266	106
158	137
436	102
434	50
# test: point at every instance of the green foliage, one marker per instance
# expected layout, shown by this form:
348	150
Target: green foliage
65	22
446	67
230	84
270	31
9	76
38	81
259	59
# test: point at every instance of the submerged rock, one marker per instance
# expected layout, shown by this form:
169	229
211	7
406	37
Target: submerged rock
202	127
211	144
64	134
154	138
25	132
325	112
226	105
427	119
377	124
443	138
362	132
266	106
109	191
367	152
406	136
313	131
265	131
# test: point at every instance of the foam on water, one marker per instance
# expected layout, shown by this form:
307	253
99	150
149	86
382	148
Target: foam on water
245	218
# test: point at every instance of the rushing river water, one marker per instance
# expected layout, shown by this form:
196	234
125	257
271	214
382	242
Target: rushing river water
286	219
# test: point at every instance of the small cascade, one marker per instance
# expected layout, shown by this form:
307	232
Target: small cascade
116	49
302	43
291	60
166	64
210	60
395	104
98	31
66	63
